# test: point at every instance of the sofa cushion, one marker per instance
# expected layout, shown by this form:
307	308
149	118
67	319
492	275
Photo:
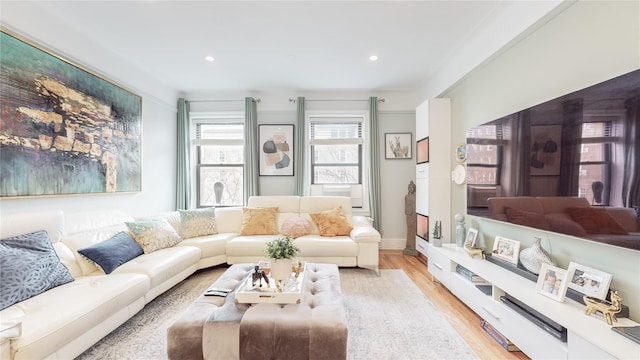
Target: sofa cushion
296	226
111	253
29	266
596	220
332	222
153	235
526	218
259	221
197	222
565	226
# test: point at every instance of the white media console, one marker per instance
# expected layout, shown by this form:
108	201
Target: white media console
588	337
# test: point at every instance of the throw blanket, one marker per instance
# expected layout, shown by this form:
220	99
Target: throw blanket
314	329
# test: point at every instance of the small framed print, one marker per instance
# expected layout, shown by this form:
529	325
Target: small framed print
588	281
552	282
470	240
398	145
461	152
506	249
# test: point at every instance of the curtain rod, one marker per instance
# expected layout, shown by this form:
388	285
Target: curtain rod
294	100
195	101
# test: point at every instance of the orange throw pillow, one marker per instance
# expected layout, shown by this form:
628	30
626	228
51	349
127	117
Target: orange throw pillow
259	221
596	221
332	222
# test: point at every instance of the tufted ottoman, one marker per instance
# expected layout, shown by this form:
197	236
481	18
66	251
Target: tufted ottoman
218	328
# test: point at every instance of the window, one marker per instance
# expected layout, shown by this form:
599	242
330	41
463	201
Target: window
595	162
484	154
336	148
219	154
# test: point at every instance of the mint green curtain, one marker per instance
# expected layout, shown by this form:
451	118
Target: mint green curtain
300	145
251	180
183	174
374	165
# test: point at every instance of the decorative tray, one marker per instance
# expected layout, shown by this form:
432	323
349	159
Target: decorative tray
285	292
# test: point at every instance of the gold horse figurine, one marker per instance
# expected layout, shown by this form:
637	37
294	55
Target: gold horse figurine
608	309
473	252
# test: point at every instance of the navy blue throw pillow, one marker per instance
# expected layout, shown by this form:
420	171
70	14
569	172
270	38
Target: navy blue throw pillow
111	253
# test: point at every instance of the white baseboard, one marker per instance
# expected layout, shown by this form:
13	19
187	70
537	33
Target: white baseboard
393	244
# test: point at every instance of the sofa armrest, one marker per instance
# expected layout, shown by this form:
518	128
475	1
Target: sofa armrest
10	329
362	234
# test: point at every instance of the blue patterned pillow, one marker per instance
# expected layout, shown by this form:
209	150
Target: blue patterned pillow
198	222
29	266
153	235
111	253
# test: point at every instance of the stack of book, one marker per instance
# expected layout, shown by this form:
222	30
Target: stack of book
467	274
497	336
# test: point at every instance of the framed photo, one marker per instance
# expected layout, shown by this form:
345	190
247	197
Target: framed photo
65	129
461	153
422	226
506	249
470	240
422	151
544	157
588	281
276	150
552	282
398	145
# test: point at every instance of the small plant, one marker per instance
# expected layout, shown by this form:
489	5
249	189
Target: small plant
281	248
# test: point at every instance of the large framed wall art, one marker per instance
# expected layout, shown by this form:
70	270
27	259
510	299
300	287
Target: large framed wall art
276	149
64	130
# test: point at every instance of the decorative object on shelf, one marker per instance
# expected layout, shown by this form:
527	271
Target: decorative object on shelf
591	282
281	251
608	309
437	234
461	152
470	241
460	230
533	257
506	249
412	220
398	145
552	282
459	174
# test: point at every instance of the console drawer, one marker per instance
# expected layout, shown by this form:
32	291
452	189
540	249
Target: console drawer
438	265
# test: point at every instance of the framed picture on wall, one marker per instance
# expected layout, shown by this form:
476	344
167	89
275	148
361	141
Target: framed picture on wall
398	145
276	150
422	151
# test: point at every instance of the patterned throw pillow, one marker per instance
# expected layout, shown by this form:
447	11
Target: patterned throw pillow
198	222
29	266
332	222
153	235
259	221
111	253
296	226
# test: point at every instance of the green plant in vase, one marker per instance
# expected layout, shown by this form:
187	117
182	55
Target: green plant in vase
281	251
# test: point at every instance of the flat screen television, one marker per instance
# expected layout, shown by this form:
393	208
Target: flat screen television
422	226
583	144
422	150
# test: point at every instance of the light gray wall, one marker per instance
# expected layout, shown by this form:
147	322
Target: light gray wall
586	44
158	115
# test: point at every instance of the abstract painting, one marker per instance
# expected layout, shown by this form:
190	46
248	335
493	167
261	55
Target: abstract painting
276	150
63	129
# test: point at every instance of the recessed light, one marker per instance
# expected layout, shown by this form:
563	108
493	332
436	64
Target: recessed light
209	58
373	57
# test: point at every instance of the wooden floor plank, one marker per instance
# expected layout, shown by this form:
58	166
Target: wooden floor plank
464	320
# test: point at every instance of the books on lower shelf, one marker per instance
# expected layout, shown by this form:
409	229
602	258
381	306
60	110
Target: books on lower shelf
497	336
467	274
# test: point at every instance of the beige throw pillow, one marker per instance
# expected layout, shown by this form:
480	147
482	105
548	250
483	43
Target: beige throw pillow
259	221
332	222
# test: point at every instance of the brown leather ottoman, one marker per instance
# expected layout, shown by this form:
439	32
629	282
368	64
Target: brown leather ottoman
218	328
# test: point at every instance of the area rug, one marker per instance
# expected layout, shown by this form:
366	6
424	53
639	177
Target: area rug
387	315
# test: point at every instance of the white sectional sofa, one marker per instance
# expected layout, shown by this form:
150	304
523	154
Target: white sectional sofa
62	322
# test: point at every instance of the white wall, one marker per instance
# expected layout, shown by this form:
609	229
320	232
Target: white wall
396	114
586	44
158	111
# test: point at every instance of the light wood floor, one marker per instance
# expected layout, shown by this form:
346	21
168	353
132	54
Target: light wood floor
463	319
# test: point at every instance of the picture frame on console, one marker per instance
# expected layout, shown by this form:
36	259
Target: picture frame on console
588	281
552	282
506	249
470	240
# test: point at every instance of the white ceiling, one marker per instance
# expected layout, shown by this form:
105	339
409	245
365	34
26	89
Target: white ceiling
282	45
